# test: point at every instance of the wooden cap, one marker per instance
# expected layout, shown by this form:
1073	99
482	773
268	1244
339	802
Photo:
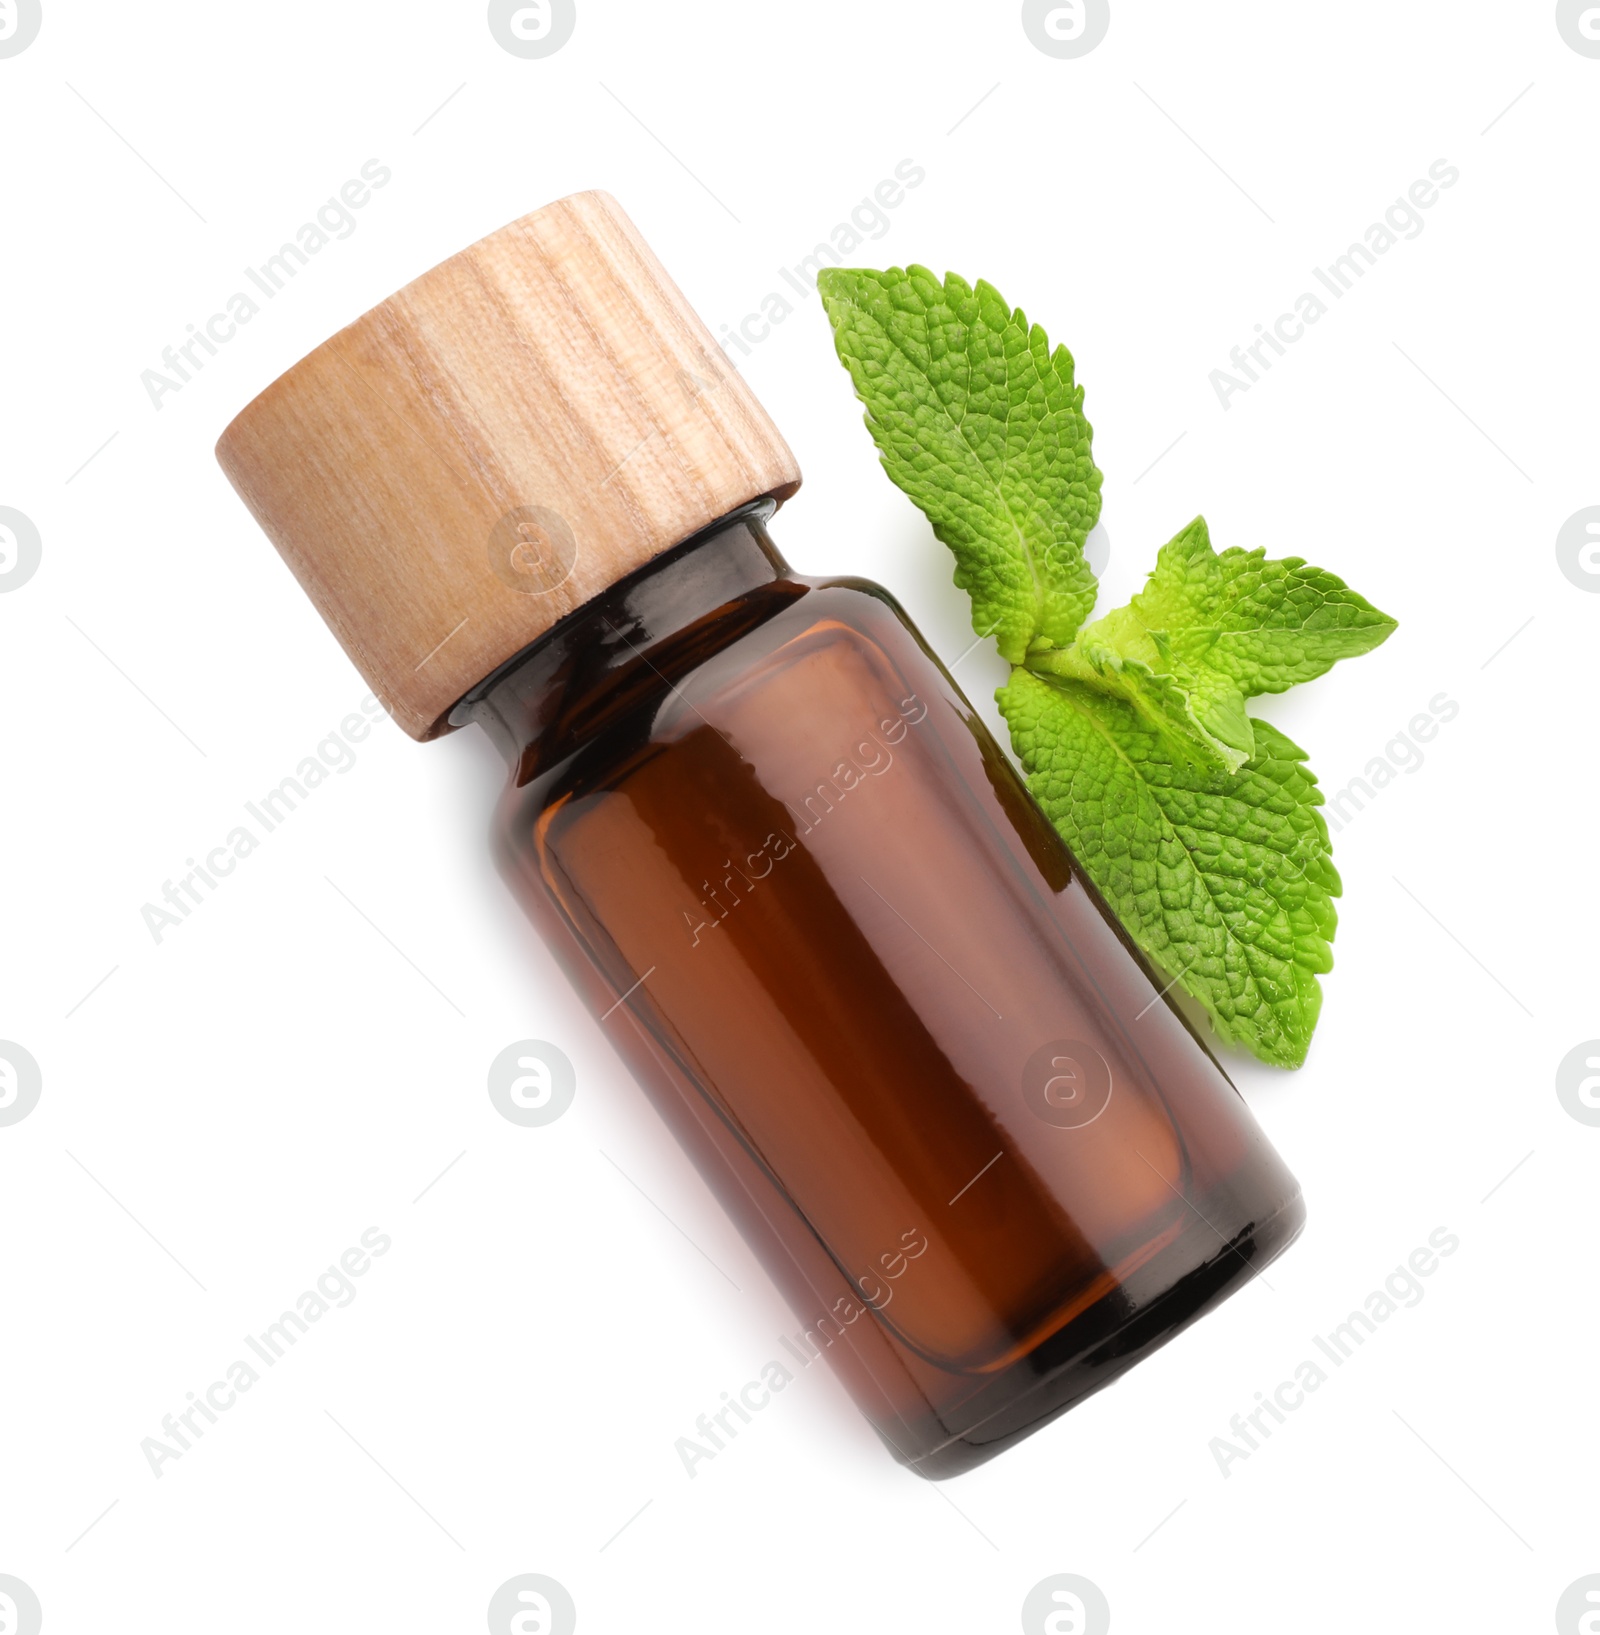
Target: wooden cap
495	444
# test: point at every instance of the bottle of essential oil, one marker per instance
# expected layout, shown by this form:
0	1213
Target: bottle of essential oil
804	891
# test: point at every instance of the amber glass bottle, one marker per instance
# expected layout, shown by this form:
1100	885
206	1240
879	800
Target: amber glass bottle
870	991
806	894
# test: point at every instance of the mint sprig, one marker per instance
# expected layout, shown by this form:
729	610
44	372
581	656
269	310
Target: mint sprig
1208	632
1199	824
982	425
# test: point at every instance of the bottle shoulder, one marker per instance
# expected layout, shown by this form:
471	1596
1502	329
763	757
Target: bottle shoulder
848	590
758	643
854	603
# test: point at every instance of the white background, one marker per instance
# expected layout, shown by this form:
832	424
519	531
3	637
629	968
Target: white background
227	1111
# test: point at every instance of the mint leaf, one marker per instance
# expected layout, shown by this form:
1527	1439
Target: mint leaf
1201	719
1224	880
982	425
1198	824
1210	631
1264	624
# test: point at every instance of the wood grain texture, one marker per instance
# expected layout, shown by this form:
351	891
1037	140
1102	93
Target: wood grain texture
493	445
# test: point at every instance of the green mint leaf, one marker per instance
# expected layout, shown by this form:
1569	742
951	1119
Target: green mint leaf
982	425
1201	719
1265	625
1198	824
1210	631
1225	880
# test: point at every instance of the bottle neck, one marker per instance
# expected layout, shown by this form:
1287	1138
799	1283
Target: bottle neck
589	669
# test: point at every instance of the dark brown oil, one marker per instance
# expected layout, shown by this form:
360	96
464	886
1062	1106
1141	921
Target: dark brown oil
871	992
